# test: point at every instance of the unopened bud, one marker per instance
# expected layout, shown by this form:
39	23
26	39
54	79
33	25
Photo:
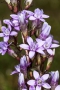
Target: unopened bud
14	2
12	53
7	1
50	59
38	59
53	51
28	3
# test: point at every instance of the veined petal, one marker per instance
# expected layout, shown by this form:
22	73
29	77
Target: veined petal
29	40
46	85
14	16
1	35
54	45
31	54
13	33
35	74
50	51
6	38
32	18
31	82
58	87
40	51
45	77
45	16
24	46
38	88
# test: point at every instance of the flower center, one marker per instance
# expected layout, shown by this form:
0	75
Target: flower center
39	82
46	45
6	32
33	46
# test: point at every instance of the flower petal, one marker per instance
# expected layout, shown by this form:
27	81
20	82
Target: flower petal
45	16
42	20
45	77
1	35
40	51
32	88
35	74
3	52
50	51
55	41
31	54
13	33
14	16
13	72
32	18
54	45
6	21
21	78
38	88
31	82
17	28
3	28
6	38
29	40
24	46
58	87
46	85
17	67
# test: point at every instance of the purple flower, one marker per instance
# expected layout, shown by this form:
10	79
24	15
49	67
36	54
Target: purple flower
32	47
19	20
15	24
3	47
6	32
38	14
21	75
54	77
39	81
23	63
17	69
45	31
48	45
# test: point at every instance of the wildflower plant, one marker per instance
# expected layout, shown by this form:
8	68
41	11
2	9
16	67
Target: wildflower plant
32	75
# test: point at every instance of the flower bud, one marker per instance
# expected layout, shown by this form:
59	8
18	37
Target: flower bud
55	77
28	3
8	1
50	59
23	61
12	53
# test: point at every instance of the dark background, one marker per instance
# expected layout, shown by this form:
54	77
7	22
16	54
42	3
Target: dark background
7	63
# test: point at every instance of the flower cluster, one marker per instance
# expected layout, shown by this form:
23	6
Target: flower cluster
31	71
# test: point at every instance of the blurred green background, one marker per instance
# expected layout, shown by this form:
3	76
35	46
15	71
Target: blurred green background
7	63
